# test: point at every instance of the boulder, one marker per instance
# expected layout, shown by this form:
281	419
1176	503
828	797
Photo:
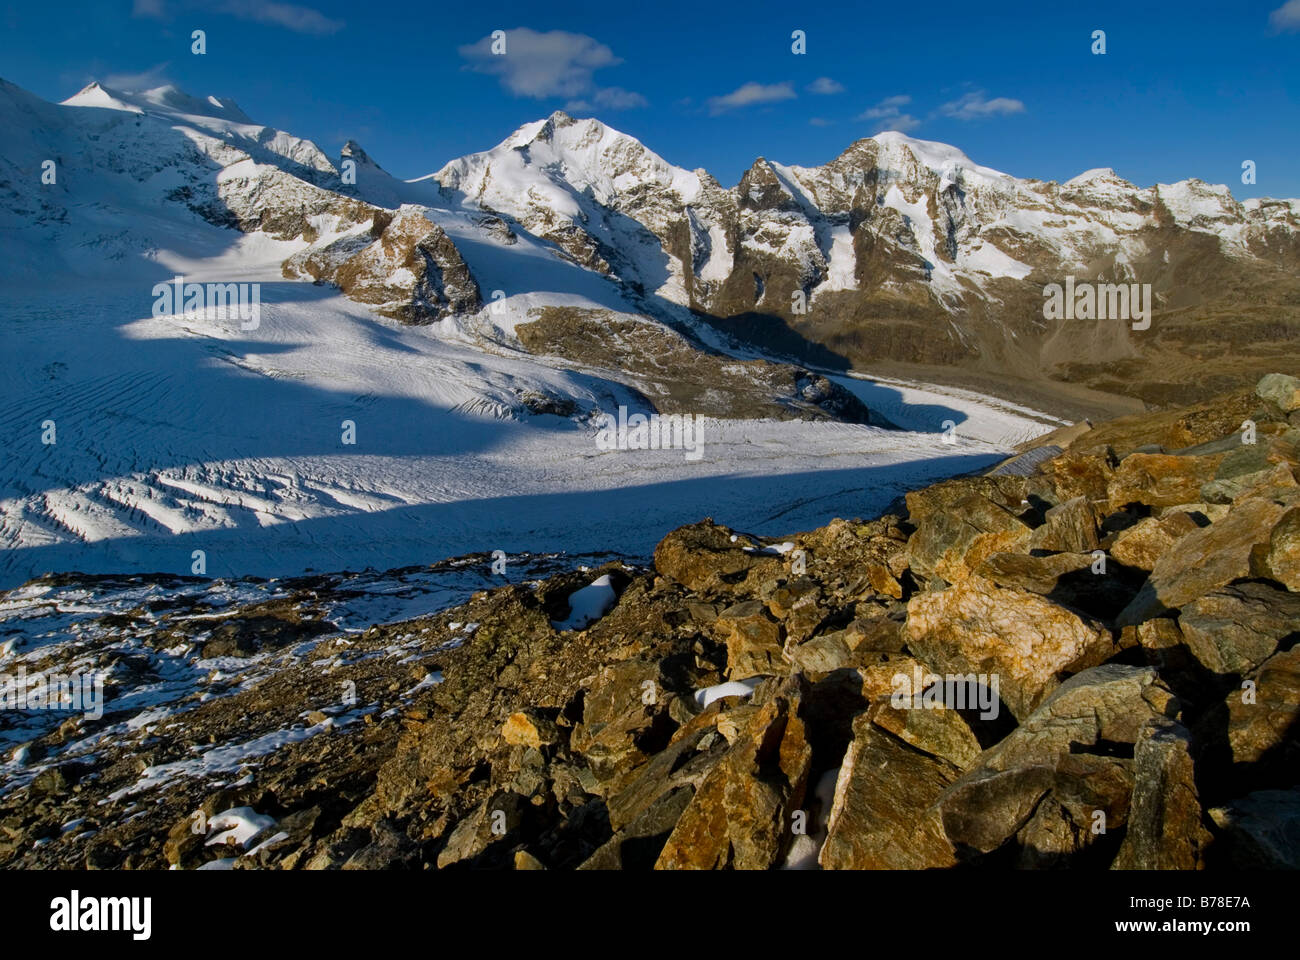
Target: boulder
1264	723
820	655
1080	475
1234	629
799	605
493	823
529	728
755	646
1282	562
1262	830
1074	580
1159	480
1044	787
1280	390
740	817
616	716
939	731
1037	574
1164	821
711	561
1144	543
1273	446
978	627
1070	527
1206	559
884	787
948	544
1269	479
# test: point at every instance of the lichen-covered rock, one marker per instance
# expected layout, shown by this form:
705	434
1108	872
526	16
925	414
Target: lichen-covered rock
884	786
1165	831
1027	641
1069	527
710	560
1234	629
1159	480
1055	777
1143	544
1281	390
740	816
1263	717
1206	559
1282	562
950	542
754	643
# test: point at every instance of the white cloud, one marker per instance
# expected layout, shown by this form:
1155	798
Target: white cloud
749	94
902	123
825	85
819	122
291	16
889	107
973	106
608	98
616	98
551	64
155	76
1287	16
890	114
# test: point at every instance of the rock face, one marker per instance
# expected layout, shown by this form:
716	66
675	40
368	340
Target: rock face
404	265
1014	671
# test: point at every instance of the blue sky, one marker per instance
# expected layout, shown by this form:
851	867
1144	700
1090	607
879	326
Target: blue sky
1183	90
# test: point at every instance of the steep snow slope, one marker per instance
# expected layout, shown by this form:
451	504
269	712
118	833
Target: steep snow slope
175	436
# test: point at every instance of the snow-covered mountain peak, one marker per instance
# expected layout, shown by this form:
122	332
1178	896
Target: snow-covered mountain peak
1094	175
944	160
568	210
166	99
354	151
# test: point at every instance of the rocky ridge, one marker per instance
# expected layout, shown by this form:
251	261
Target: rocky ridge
1134	595
907	250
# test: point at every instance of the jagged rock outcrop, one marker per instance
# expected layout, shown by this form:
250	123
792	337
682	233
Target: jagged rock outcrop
404	264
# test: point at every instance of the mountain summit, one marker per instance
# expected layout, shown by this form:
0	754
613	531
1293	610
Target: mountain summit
896	250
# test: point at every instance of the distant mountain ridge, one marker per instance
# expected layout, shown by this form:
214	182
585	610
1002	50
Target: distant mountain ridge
897	250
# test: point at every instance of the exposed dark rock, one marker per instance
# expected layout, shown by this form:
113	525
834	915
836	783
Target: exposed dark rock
1145	657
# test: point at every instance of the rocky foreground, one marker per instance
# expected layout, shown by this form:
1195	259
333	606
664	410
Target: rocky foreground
1132	592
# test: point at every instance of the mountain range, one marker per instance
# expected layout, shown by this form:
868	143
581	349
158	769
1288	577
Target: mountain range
574	240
